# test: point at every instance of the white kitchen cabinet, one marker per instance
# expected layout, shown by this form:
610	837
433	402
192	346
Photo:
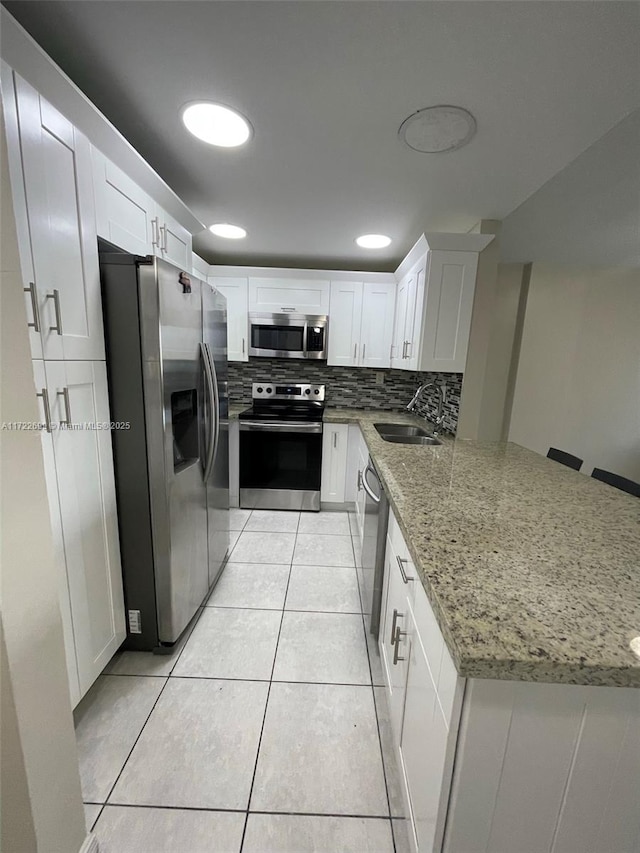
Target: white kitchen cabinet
392	639
199	267
345	320
447	311
58	193
433	309
79	468
288	295
361	323
405	329
125	214
236	292
335	438
173	242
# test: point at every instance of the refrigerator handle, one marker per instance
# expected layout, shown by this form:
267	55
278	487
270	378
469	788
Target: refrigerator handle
216	411
211	395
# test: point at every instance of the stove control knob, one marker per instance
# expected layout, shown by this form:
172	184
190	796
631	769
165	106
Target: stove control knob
259	390
269	390
317	391
308	391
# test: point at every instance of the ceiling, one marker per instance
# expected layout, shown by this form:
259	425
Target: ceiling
326	86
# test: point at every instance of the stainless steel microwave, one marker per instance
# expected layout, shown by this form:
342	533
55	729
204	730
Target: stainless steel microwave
288	335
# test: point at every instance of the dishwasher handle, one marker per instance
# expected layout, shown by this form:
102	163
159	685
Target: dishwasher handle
366	485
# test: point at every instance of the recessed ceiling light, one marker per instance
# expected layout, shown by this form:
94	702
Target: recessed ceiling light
373	241
231	232
216	124
435	130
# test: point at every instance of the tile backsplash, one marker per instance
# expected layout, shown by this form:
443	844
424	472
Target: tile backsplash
349	387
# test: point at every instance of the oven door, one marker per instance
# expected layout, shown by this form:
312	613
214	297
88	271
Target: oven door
280	465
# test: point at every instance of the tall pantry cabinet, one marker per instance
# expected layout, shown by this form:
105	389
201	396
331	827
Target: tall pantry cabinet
52	186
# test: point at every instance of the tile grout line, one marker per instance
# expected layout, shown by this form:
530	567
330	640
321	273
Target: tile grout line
235	811
373	697
266	705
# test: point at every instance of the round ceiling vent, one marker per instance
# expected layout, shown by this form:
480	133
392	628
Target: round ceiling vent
435	130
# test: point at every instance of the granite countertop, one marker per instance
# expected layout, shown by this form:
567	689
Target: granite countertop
236	408
532	569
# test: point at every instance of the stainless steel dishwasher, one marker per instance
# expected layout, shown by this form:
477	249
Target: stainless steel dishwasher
371	570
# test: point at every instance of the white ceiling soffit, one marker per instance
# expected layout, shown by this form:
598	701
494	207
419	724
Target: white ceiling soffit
589	213
326	85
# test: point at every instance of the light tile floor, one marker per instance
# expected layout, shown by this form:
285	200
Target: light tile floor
266	730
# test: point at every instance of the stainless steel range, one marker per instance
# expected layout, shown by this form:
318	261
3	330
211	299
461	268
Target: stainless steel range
281	447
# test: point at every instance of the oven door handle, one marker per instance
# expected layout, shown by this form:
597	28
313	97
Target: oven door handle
281	426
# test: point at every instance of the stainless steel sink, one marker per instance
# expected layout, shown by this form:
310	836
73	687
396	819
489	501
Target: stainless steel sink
412	439
405	434
400	429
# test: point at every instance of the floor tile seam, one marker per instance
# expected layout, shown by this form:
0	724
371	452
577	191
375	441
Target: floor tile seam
276	812
278	610
264	716
111	790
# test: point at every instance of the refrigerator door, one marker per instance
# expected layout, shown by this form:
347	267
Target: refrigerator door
214	332
174	401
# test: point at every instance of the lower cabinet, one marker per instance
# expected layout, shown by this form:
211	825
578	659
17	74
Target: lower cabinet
335	438
78	460
424	733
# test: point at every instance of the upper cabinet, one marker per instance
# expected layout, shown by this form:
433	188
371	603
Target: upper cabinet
55	208
236	292
361	323
288	295
199	267
435	301
131	219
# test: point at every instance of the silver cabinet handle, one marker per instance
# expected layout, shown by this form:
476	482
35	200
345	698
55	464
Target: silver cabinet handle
288	309
409	348
396	616
405	577
364	349
56	305
243	346
396	645
355	351
47	411
163	229
155	235
359	480
335	439
67	406
34	306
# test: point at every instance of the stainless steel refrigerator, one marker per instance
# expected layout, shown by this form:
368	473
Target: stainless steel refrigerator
166	336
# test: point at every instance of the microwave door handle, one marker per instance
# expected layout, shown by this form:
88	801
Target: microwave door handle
211	395
304	339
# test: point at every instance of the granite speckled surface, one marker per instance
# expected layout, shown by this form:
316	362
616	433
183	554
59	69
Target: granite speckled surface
532	569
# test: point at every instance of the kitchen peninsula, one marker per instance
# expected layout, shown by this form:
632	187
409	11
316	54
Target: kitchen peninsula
532	590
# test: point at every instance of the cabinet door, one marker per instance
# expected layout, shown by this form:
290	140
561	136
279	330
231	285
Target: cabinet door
124	212
296	296
345	315
174	240
399	348
84	469
447	316
58	183
423	742
376	331
199	267
235	290
44	407
413	321
334	462
392	639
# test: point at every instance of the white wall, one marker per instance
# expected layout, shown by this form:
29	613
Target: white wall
578	379
46	801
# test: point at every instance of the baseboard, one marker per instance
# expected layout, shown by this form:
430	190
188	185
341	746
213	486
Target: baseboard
90	844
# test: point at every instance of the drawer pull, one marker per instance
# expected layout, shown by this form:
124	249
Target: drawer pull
56	305
396	645
405	577
31	290
396	616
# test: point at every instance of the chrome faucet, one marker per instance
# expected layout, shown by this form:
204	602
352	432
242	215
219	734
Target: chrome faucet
442	396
